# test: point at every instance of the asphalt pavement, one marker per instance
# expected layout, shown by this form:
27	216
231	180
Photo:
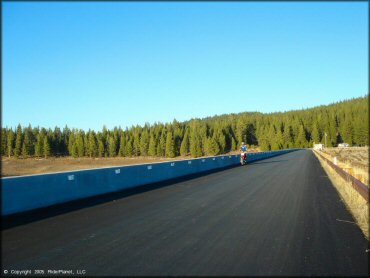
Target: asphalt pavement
279	216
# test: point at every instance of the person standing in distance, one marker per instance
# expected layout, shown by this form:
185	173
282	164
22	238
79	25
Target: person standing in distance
243	150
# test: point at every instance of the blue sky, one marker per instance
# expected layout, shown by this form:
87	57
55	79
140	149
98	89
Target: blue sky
91	64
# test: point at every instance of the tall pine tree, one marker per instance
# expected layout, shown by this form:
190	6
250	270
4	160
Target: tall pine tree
122	146
152	145
39	146
184	149
47	147
18	142
170	145
10	143
93	145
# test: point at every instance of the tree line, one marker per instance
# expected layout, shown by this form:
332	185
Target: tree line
345	121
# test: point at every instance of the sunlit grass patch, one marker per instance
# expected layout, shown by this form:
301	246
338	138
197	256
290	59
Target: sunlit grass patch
354	202
354	161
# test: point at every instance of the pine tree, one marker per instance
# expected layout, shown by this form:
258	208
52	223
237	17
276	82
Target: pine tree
263	139
241	128
161	147
170	145
287	137
211	146
177	137
136	144
221	140
332	132
116	138
80	145
361	132
280	139
361	124
144	143
71	142
184	149
195	144
202	133
27	146
129	148
315	135
251	134
86	143
25	153
93	146
214	146
112	146
272	139
39	146
66	134
101	147
4	138
122	146
74	150
47	147
57	144
10	143
301	138
18	142
152	146
233	144
347	133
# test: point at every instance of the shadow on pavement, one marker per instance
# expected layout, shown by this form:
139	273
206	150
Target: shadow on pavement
14	220
263	162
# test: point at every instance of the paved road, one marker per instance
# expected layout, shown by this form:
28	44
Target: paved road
272	217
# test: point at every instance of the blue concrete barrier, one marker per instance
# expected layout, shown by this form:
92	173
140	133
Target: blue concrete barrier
23	193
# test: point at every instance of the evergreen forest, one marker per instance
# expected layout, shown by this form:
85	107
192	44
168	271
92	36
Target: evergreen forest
344	121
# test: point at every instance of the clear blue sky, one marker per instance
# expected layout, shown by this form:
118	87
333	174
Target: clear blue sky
93	64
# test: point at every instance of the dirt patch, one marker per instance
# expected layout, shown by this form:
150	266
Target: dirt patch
354	161
29	166
20	167
355	155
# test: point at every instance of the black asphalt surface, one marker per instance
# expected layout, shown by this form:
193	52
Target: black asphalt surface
279	216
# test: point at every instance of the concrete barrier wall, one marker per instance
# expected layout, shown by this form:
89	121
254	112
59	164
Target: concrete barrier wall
20	194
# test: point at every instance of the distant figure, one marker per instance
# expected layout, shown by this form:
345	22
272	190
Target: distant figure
243	154
244	147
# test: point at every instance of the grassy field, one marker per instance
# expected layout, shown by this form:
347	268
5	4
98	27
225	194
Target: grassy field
354	202
28	166
353	160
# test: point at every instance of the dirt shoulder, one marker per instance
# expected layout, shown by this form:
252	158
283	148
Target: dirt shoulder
354	202
29	166
354	160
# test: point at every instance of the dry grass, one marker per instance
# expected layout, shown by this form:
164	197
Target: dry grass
353	160
354	202
28	166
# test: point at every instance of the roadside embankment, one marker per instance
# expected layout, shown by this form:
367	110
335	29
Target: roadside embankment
353	160
354	201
